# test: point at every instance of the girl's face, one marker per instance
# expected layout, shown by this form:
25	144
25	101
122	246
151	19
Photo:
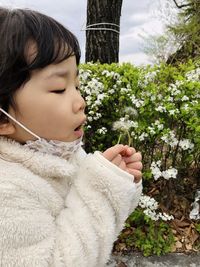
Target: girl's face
50	104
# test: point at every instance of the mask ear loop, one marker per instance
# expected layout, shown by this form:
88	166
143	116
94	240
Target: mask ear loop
21	125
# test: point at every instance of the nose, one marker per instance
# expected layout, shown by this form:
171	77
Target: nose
79	104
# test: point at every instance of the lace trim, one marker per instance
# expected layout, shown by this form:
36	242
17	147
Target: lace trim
55	147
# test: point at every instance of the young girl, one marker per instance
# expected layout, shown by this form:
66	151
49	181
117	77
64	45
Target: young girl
59	207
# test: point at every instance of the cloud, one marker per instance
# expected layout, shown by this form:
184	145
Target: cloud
135	58
138	19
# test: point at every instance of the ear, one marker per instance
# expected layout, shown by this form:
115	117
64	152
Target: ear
6	128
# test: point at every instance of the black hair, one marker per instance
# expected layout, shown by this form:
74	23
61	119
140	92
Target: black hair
19	27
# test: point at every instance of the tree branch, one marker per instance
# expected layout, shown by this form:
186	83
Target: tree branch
180	6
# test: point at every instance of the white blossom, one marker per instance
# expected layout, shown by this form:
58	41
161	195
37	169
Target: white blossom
186	107
84	75
153	98
179	83
151	130
111	91
157	173
165	216
173	89
124	90
137	102
103	130
150	205
193	75
88	126
143	136
170	139
110	74
174	111
149	77
197	96
159	125
155	169
88	99
195	212
185	98
170	99
148	202
106	73
160	109
101	96
118	82
91	112
186	144
89	118
152	214
170	173
194	102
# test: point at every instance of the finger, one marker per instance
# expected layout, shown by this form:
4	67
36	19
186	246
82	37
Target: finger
117	160
112	152
137	175
134	158
122	165
128	151
135	165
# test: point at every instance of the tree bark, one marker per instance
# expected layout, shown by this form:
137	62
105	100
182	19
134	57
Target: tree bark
103	45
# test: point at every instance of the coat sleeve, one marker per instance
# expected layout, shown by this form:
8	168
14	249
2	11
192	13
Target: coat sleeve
82	234
100	200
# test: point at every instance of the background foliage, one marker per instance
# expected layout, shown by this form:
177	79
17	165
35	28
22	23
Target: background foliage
156	110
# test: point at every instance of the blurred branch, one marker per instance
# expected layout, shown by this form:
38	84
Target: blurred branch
180	6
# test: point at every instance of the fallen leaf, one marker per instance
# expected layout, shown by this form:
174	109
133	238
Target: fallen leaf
188	246
178	244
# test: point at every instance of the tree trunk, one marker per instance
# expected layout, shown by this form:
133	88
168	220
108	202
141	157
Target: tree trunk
103	45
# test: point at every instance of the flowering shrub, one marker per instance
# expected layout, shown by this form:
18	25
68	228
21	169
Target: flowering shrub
150	206
156	110
148	236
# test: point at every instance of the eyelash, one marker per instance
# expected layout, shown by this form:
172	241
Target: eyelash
63	90
58	91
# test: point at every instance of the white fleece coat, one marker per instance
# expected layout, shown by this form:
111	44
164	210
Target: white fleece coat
58	213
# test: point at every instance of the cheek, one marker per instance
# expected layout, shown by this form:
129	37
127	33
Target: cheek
41	109
57	116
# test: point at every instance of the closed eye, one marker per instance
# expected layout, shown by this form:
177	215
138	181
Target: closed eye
58	91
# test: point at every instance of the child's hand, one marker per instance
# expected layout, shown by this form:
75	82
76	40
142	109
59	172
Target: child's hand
125	158
133	162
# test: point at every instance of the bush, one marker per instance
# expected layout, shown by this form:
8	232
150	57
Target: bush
157	111
148	236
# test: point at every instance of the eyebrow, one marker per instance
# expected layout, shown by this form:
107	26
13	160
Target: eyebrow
61	73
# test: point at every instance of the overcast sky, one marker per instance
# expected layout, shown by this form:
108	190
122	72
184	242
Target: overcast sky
138	17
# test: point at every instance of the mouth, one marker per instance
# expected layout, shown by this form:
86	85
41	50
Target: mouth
78	128
80	125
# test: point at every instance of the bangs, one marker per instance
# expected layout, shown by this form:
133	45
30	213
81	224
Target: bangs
54	43
52	40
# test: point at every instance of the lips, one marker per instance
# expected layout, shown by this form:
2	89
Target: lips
78	128
80	125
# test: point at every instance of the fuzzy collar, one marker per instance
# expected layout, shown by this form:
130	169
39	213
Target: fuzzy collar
39	163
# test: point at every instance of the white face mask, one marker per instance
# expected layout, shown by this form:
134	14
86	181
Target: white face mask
53	147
